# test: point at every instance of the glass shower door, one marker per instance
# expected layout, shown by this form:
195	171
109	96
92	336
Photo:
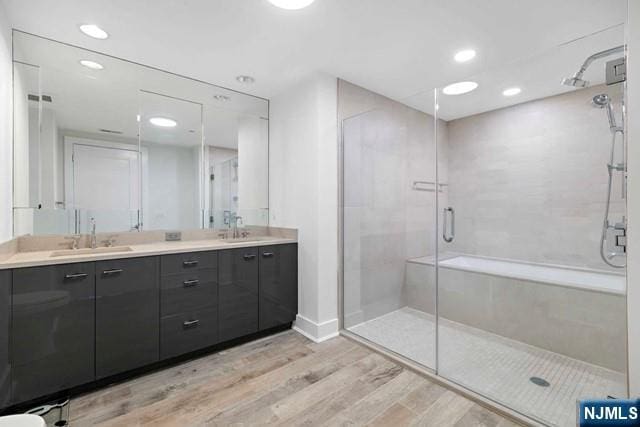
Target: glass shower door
530	314
388	228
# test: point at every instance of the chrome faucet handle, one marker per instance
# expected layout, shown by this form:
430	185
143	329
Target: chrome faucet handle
109	241
75	244
244	234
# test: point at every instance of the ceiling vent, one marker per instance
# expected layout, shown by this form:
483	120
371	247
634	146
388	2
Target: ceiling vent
117	132
36	98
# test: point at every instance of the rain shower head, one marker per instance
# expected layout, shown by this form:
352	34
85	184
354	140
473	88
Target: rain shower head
575	81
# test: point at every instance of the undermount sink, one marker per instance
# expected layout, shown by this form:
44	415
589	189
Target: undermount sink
244	239
89	251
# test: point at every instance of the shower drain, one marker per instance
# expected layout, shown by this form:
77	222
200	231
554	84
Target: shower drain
539	381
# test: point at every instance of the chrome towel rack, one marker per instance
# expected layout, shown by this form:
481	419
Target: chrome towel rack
428	186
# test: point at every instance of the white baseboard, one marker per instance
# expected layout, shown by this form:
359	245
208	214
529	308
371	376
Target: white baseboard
316	332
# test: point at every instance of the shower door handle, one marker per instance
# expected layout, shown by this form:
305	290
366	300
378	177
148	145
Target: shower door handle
444	224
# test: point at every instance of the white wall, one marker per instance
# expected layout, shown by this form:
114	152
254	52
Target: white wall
303	194
6	109
253	149
172	199
51	153
633	201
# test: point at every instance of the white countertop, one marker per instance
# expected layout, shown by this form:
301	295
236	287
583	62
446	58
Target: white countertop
39	258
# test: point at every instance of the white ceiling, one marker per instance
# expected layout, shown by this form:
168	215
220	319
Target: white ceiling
538	76
396	48
86	100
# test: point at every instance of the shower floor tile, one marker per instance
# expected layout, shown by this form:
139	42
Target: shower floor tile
494	366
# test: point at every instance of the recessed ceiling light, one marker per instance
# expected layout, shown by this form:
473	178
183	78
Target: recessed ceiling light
245	79
459	88
91	64
94	31
163	122
511	91
465	55
291	4
221	98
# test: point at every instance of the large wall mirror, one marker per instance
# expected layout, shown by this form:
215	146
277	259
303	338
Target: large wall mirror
132	147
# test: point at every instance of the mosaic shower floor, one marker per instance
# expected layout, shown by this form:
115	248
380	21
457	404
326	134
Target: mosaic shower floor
496	367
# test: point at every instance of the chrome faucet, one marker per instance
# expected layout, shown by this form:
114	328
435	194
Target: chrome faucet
75	241
93	242
109	241
236	218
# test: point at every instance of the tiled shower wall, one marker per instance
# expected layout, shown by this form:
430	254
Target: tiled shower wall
387	146
529	182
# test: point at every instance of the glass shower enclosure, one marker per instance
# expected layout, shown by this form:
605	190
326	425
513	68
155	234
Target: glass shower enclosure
483	234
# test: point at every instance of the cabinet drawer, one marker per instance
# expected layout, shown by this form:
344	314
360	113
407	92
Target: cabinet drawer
188	291
180	263
186	332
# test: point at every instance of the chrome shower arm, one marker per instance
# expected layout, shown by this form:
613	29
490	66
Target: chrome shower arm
595	56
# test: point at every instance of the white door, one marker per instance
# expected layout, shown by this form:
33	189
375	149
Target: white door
106	187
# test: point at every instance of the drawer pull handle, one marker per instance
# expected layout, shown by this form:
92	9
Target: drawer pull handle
190	324
249	257
189	283
75	276
267	254
112	272
190	263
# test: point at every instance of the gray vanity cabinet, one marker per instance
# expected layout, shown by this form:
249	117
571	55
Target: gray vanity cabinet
278	285
127	314
68	325
5	356
237	292
52	332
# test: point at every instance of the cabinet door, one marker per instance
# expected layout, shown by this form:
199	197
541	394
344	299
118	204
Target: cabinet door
5	313
52	331
237	293
278	285
127	314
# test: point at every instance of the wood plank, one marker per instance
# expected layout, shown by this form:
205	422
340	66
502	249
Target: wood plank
206	400
340	400
377	402
445	411
478	416
145	391
261	409
396	415
193	371
283	380
295	395
423	397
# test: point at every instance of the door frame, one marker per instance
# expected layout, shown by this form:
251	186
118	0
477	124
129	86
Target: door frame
70	141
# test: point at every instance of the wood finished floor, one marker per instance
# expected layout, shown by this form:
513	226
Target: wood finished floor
284	379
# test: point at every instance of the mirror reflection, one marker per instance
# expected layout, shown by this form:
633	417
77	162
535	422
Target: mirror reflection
131	147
